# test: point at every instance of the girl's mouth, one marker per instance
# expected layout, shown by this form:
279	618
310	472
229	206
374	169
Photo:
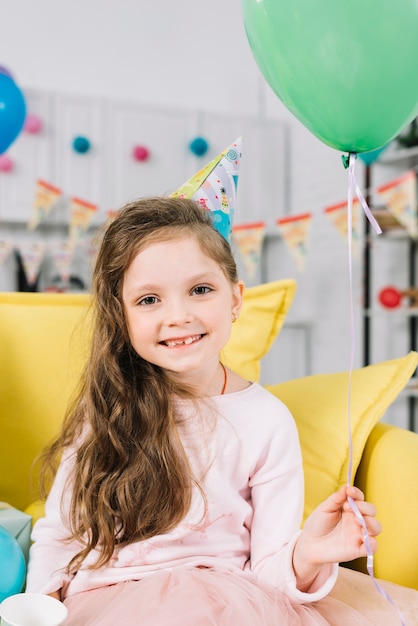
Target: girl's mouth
172	343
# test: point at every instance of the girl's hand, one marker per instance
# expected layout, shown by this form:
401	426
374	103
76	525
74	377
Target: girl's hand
334	534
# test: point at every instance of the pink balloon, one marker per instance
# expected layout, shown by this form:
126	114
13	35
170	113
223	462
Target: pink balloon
6	163
33	124
141	153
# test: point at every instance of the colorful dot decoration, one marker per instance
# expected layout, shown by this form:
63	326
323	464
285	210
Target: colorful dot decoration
141	153
33	124
81	144
199	146
6	163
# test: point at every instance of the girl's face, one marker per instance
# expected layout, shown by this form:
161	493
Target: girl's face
179	307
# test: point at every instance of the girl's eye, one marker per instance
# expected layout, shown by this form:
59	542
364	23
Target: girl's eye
201	290
148	300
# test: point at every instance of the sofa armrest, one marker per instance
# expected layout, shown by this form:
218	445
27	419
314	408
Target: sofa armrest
388	474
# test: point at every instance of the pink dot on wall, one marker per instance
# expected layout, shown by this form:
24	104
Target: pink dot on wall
141	153
6	163
33	124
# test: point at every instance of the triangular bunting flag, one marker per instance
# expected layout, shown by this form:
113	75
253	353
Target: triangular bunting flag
295	231
111	214
215	187
32	254
337	214
249	241
82	214
62	253
400	197
6	247
46	197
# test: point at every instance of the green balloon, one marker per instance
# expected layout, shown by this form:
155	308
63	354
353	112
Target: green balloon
347	69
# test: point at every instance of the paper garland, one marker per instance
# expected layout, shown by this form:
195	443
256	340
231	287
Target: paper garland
400	198
249	241
295	231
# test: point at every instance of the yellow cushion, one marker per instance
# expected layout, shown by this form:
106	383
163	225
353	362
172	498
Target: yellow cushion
263	312
319	405
43	346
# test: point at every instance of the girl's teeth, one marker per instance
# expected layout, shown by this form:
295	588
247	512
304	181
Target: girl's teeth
186	342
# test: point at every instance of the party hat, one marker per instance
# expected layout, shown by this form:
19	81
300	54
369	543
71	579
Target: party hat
215	187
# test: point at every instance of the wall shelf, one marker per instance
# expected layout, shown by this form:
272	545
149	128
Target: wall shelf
400	160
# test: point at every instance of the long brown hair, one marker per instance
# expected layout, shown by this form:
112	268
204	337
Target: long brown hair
131	477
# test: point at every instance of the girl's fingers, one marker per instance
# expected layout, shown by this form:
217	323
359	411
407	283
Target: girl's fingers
365	508
339	499
354	492
373	526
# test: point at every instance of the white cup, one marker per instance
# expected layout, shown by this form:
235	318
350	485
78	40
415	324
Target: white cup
32	609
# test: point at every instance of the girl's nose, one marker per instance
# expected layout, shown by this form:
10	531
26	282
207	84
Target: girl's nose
178	312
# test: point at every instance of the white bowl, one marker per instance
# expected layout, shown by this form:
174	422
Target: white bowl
32	609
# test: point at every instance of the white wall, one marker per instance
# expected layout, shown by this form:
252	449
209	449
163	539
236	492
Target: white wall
193	55
187	53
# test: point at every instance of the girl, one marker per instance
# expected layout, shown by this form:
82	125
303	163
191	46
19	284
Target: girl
178	499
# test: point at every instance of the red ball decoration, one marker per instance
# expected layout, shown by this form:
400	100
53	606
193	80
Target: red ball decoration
6	163
141	153
33	124
390	297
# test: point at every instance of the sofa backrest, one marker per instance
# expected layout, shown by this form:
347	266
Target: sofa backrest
44	342
43	346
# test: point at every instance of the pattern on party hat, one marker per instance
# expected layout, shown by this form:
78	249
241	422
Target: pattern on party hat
215	187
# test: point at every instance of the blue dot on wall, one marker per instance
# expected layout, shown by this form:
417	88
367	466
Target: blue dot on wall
81	145
199	146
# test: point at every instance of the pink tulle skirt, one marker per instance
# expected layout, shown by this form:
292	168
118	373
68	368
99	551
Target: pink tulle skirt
206	597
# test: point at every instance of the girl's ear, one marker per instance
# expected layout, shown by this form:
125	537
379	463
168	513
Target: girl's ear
237	298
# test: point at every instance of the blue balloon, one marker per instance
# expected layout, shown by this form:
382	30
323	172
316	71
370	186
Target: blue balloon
12	111
370	157
12	565
4	70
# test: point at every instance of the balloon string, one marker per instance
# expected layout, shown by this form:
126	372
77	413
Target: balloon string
353	188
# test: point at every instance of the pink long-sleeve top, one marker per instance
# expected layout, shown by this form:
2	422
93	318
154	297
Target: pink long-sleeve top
244	447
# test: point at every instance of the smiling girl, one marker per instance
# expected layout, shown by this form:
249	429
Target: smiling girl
179	496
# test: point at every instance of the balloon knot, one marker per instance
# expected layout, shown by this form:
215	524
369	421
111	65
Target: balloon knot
346	160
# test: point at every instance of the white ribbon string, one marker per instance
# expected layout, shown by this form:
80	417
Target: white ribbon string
354	189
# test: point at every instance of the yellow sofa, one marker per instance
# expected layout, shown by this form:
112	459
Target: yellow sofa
44	343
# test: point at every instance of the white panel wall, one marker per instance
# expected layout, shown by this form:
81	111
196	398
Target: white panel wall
81	175
33	159
108	176
166	133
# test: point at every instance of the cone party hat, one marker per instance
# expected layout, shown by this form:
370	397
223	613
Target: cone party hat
215	187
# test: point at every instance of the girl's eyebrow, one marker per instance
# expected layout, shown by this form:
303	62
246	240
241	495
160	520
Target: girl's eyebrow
151	287
203	277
